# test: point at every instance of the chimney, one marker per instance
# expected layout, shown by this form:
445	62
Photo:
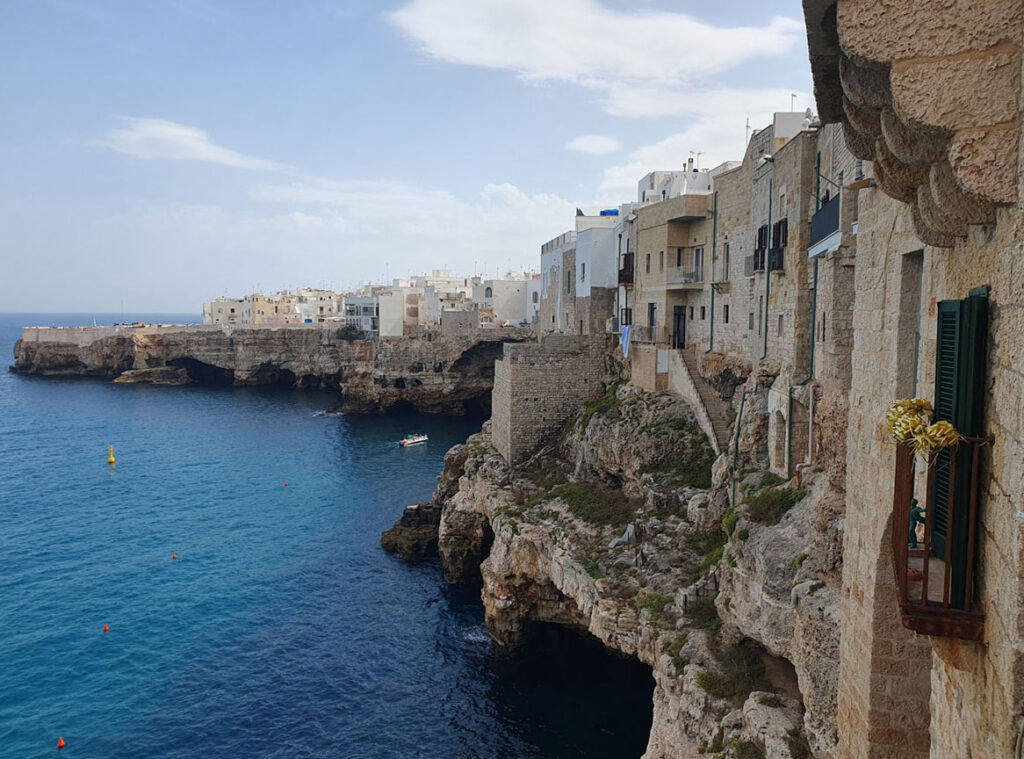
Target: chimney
689	164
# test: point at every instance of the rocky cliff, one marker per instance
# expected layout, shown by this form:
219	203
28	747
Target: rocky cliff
732	608
428	372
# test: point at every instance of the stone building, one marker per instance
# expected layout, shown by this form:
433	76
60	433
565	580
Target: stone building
725	282
578	276
932	666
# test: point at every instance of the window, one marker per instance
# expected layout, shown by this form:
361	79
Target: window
725	254
725	314
652	314
488	293
780	325
679	256
698	263
232	310
648	267
568	280
661	261
583	272
760	313
702	313
822	328
534	297
750	320
581	326
960	348
691	313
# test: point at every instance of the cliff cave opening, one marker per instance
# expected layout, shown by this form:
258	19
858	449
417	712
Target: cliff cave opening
574	696
271	374
203	373
479	359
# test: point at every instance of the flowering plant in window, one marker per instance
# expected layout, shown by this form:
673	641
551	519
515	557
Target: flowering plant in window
909	422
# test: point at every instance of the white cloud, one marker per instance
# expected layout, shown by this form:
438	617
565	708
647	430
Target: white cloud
718	131
596	144
646	58
293	234
159	139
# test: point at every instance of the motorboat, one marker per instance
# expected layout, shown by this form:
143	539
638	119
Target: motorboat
412	440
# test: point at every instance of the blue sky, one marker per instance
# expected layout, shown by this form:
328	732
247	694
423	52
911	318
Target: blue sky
165	153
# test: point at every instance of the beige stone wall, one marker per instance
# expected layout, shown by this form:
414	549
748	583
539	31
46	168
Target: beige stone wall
974	690
537	387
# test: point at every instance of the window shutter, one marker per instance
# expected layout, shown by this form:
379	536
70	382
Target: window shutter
961	348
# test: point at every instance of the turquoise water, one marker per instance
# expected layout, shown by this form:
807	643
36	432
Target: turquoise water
282	629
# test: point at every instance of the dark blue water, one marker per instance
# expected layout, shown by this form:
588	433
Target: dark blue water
282	629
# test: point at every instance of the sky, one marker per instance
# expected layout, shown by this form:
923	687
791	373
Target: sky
161	154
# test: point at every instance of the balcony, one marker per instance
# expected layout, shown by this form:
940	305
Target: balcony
626	270
825	235
651	335
935	566
684	276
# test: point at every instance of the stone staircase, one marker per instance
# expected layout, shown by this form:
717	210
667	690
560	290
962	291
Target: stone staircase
717	410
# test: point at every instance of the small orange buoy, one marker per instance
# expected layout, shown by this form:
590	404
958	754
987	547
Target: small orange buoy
174	556
60	742
106	628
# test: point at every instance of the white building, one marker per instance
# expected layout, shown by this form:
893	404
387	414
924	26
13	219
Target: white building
223	311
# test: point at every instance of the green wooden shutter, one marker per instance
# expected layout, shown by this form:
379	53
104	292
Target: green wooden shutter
959	398
947	353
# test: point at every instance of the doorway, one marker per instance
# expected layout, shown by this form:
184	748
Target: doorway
679	326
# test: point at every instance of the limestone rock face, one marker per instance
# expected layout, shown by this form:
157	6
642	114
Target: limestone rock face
429	372
106	357
414	535
161	375
634	433
783	592
538	538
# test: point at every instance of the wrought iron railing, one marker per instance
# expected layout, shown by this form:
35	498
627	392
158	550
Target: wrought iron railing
626	270
934	545
826	220
684	275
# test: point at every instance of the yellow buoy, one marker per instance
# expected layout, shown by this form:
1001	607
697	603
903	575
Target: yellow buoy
111	459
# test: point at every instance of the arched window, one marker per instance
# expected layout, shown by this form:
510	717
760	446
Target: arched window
488	293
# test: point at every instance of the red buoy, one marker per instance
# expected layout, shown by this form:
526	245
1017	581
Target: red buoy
286	484
106	628
174	555
60	743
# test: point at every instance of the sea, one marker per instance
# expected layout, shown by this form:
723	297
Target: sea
281	629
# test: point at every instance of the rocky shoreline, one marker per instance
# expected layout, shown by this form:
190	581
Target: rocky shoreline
734	610
429	372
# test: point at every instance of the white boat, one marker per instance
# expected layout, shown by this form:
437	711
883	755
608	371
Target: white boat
412	440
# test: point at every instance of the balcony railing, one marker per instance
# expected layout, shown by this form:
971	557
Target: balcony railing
933	548
639	334
626	317
684	275
626	270
826	220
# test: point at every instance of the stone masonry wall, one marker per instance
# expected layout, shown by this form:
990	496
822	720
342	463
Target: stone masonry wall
538	387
